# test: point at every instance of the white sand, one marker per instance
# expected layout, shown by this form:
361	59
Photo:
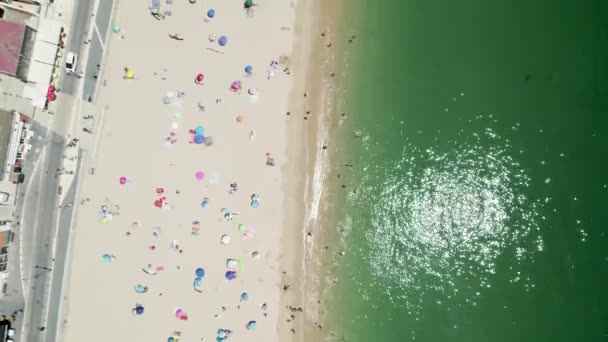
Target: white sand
101	295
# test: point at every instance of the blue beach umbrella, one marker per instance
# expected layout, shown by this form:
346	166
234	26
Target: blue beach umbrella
140	288
221	334
223	41
211	13
200	272
248	69
107	258
199	130
230	275
199	139
205	203
139	309
198	282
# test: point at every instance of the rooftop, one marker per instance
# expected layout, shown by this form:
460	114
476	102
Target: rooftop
11	41
6	120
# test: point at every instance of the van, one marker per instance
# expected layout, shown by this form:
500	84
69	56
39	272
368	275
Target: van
71	60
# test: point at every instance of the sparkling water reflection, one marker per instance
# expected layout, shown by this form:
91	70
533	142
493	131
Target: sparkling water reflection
441	217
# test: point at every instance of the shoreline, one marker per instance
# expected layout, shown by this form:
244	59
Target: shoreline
309	140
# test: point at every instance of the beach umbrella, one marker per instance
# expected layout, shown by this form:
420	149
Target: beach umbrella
198	282
122	180
251	325
248	69
199	175
200	272
225	239
211	13
248	3
205	203
235	85
221	334
242	228
255	255
115	28
200	78
232	263
129	74
223	40
107	258
230	275
199	130
139	309
199	139
244	296
252	91
179	313
171	339
240	119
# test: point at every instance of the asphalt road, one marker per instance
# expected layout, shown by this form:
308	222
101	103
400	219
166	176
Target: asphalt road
76	38
39	215
97	46
62	241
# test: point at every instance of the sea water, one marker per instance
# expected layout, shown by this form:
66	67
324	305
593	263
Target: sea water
469	187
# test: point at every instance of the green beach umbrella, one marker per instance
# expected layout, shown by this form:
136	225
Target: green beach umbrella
248	3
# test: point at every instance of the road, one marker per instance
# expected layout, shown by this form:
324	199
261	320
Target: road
39	214
76	38
96	45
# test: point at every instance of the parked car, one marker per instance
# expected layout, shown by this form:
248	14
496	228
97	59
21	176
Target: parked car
71	60
4	196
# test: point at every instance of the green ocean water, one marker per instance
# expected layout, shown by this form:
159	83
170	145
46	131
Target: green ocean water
476	206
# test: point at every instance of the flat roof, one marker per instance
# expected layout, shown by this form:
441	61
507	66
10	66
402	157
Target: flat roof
11	41
4	238
6	126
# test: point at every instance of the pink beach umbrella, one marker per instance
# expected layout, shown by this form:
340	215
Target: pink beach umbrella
199	78
122	180
235	86
199	175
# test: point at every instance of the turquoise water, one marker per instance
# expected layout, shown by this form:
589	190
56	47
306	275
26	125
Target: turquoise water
476	207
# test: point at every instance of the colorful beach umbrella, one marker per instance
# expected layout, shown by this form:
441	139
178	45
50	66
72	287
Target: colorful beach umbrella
199	139
139	309
223	40
230	275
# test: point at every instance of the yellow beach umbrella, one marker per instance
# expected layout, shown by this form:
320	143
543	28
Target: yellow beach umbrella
129	74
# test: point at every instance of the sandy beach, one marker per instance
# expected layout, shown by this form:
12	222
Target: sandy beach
192	180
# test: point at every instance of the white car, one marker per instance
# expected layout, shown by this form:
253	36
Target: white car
4	196
71	60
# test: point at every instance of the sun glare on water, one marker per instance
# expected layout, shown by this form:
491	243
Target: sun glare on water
439	219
